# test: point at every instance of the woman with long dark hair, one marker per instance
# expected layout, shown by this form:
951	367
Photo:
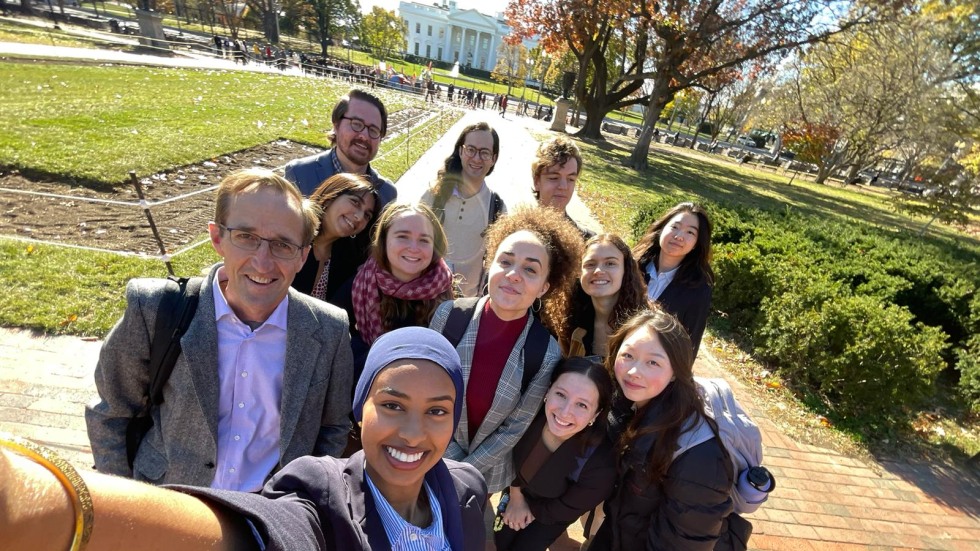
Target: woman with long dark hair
464	203
609	290
565	464
348	203
675	258
662	501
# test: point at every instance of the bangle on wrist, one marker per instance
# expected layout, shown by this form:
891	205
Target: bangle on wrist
69	478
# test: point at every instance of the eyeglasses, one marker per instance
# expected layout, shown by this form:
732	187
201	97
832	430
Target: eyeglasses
250	242
357	125
471	152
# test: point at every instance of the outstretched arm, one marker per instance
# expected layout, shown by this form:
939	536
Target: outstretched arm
36	514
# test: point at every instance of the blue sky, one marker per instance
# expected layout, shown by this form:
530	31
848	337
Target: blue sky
485	6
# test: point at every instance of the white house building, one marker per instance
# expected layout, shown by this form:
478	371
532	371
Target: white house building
441	31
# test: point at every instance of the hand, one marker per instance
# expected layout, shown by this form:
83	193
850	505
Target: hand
517	516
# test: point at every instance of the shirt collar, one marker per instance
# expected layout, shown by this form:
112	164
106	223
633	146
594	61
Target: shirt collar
400	532
222	309
368	171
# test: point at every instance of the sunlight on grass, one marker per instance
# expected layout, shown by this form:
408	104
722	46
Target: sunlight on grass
94	124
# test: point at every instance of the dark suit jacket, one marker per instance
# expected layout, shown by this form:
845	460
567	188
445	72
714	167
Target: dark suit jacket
323	503
691	305
551	496
347	254
181	448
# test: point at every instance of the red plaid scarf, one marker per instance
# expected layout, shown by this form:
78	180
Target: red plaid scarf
371	281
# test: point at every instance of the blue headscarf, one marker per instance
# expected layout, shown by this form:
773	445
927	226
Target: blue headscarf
410	343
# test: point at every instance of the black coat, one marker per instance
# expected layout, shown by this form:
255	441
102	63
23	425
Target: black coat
323	503
686	512
551	496
691	304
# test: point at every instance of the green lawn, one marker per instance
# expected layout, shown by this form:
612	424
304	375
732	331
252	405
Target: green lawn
94	124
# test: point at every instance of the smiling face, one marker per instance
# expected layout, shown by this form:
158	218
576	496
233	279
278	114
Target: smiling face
357	149
407	424
642	366
679	236
409	245
556	184
571	404
257	281
475	169
602	270
347	215
518	275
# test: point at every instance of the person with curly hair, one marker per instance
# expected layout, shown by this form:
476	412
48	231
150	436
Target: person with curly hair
675	258
554	172
664	500
535	255
464	203
609	290
348	204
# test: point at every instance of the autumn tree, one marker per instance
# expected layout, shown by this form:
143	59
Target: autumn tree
330	15
673	44
512	66
384	31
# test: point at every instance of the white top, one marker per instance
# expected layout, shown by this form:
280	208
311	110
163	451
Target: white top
465	222
658	282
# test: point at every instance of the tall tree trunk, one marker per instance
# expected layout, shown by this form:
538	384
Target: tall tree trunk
659	97
594	114
270	27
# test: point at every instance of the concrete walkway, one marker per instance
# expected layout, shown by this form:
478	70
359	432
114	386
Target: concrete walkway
823	500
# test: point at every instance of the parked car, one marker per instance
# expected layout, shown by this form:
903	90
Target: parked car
745	140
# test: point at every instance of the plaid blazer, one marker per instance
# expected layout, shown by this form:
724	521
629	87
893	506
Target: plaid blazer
510	414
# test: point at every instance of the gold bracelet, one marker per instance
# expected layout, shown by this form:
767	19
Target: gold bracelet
81	499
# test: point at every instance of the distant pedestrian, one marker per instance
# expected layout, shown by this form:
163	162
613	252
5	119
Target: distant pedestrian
503	105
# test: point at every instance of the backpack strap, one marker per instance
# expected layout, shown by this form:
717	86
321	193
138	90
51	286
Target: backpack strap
496	206
535	346
173	318
174	315
459	319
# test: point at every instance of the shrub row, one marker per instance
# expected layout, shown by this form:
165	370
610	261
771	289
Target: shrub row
864	318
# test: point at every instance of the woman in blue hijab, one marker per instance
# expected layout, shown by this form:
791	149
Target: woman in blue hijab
397	493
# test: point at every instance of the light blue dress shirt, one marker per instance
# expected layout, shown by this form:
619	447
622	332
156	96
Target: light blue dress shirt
405	536
250	372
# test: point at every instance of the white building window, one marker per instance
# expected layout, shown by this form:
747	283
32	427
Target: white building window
418	28
428	50
416	48
430	30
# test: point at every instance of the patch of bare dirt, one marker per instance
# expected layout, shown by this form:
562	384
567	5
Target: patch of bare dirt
64	216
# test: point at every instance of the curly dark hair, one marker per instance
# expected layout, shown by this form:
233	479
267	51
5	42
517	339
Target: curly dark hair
632	295
563	242
696	266
679	401
450	175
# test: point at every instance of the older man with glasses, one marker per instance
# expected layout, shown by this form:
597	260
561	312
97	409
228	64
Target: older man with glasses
264	372
360	121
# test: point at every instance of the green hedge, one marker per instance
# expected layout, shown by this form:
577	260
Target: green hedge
864	318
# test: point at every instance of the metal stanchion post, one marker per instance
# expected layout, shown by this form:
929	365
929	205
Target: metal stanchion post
149	218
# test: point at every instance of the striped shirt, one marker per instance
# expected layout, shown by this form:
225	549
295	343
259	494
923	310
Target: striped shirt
403	535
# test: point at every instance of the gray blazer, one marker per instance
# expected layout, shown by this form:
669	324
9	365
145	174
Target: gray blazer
510	414
181	448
